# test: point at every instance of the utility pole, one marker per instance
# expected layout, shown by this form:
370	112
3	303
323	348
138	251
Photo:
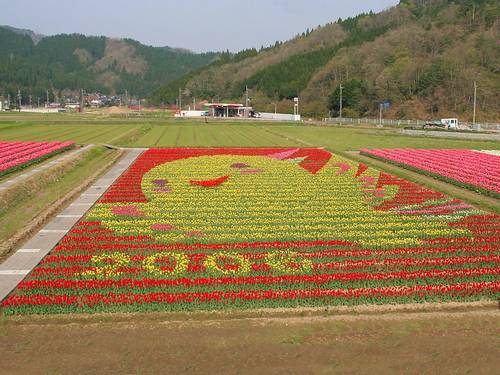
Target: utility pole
475	103
47	102
30	99
247	114
38	101
380	116
126	103
19	99
341	101
180	98
82	101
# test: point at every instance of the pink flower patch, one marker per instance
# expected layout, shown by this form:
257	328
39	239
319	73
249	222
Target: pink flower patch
162	227
343	168
368	180
283	155
127	211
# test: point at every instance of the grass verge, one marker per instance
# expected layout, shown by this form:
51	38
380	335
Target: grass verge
26	206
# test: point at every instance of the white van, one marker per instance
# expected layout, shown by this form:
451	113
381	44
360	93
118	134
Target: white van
450	123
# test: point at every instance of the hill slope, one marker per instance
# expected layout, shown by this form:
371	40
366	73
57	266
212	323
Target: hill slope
420	56
69	63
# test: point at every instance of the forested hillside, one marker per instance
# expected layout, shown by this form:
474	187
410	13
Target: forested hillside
420	57
68	63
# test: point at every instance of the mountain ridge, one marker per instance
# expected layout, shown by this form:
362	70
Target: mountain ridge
419	57
66	63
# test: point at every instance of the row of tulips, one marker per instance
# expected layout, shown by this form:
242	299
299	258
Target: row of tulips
18	155
479	171
187	229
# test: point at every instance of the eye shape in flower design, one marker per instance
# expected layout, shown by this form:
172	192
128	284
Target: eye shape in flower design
161	186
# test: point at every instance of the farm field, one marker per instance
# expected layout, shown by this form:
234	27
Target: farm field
168	132
423	343
188	229
474	170
18	155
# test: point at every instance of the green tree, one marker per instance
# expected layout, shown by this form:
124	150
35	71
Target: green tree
354	97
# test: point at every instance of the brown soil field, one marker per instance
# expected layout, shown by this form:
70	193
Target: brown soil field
447	342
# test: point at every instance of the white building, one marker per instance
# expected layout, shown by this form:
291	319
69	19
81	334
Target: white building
279	117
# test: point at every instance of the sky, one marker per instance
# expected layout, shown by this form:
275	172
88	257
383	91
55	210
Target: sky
198	25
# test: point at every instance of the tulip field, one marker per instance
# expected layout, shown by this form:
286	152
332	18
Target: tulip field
194	228
475	170
18	155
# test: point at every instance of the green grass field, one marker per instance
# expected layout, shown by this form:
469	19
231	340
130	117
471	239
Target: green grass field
157	131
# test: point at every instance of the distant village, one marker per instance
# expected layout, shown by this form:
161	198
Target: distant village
68	103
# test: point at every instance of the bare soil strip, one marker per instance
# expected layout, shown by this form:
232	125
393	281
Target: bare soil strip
333	313
434	344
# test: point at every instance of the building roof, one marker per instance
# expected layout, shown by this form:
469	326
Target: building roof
223	105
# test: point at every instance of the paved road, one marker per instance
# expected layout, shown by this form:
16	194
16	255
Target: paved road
439	134
20	264
41	167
